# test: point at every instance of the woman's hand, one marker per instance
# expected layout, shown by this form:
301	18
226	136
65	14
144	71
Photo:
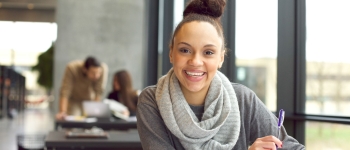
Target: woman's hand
126	113
267	142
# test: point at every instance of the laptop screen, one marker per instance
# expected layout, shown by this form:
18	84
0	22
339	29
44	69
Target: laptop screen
96	109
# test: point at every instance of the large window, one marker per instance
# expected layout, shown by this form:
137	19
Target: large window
21	44
327	52
256	48
327	136
327	72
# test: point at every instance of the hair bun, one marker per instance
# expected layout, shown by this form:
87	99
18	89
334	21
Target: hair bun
213	8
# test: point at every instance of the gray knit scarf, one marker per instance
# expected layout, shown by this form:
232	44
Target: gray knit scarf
220	125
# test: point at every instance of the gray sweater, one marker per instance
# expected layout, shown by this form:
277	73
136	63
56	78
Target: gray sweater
256	121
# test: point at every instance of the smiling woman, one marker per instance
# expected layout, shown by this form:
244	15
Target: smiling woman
196	56
195	106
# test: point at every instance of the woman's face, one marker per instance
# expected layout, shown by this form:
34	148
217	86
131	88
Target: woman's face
196	55
116	84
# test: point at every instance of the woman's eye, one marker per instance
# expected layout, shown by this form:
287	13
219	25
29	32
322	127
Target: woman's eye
184	50
209	53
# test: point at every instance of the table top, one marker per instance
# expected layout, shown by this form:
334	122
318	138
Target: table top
116	139
111	123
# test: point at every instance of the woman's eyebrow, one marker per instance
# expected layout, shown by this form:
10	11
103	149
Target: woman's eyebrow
184	43
208	45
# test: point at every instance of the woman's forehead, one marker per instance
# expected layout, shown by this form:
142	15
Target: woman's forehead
198	31
200	26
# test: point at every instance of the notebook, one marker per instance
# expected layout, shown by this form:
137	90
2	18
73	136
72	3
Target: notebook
96	109
87	133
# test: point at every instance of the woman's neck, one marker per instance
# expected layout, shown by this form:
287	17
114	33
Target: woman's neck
195	98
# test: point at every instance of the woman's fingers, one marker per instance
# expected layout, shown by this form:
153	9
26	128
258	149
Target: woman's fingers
267	142
266	145
271	138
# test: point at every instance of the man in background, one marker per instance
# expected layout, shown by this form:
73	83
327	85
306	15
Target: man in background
82	80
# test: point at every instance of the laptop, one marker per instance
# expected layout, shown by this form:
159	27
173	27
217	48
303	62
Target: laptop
96	109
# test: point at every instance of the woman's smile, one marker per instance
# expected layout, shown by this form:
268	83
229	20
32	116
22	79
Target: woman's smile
194	76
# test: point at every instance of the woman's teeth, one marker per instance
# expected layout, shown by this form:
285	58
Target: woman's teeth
194	73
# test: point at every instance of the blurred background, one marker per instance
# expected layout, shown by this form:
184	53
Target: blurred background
293	54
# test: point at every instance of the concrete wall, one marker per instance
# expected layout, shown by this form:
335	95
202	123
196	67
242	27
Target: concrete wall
110	30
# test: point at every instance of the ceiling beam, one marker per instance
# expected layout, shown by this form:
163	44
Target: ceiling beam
28	10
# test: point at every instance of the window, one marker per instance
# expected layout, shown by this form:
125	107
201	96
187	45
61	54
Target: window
324	136
327	62
256	48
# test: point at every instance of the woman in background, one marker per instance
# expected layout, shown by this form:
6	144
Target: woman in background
123	91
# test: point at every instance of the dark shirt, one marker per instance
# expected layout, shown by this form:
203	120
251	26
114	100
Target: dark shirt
114	95
198	111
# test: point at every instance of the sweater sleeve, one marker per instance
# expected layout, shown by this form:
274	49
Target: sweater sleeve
260	122
152	130
66	86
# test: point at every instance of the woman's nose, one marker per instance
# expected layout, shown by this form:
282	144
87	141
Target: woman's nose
196	60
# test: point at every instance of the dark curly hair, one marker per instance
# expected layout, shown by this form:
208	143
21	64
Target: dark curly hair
203	10
91	62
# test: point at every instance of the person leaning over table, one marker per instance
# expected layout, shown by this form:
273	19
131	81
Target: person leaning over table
82	80
195	106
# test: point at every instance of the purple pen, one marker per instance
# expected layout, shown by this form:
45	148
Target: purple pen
280	122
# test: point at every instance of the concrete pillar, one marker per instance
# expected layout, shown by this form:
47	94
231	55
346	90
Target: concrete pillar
110	30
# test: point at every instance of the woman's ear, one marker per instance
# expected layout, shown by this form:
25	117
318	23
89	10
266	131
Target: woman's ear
222	58
170	56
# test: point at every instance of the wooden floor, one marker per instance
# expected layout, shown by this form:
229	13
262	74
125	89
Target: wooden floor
31	121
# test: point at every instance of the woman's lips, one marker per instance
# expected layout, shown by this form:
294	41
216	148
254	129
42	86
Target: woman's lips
194	76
